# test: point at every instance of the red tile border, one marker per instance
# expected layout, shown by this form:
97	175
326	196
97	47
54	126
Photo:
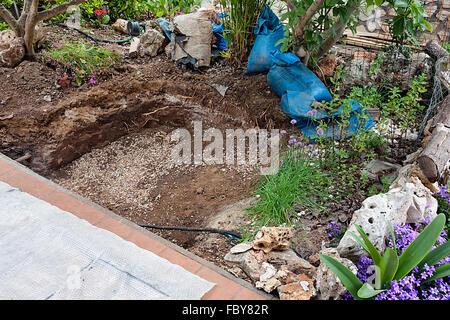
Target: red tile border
180	259
24	179
245	294
225	288
114	226
145	242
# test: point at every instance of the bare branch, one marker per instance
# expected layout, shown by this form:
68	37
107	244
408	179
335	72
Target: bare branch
47	14
9	19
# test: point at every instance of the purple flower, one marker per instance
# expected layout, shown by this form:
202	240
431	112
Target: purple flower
412	286
320	131
315	153
299	143
293	121
369	83
283	131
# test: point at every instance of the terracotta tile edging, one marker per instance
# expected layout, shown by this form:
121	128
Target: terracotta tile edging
228	287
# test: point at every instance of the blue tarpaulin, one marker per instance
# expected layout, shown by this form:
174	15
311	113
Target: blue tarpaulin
269	31
298	87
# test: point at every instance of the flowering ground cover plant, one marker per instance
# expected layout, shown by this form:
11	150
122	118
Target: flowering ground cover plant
417	274
80	61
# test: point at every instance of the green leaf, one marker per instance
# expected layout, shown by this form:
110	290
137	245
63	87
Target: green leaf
428	25
387	268
398	26
440	272
370	248
379	2
348	279
367	292
401	3
420	246
436	255
392	235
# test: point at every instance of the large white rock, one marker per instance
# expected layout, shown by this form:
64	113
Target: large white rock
328	285
409	203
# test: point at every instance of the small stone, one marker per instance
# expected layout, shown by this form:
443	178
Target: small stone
47	98
242	247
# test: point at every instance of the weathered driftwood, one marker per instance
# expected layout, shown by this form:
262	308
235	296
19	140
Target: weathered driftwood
442	114
435	157
434	49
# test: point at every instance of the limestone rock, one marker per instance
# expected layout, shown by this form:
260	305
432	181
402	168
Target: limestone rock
377	167
328	285
120	26
242	247
273	238
152	42
12	49
135	45
301	289
408	202
273	268
372	218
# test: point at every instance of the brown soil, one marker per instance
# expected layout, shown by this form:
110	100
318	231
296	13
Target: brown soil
143	100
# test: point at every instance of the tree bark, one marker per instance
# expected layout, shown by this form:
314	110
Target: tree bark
312	10
434	50
24	27
434	160
339	28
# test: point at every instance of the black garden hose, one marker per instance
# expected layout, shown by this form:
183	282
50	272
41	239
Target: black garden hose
227	233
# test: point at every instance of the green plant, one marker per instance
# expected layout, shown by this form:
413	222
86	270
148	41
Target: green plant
390	266
404	109
446	46
299	182
3	26
408	21
239	23
167	8
80	61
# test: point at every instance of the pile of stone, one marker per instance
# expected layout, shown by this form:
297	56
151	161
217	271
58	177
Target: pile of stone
273	267
191	37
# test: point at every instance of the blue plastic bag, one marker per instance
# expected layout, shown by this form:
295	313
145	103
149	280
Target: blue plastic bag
269	31
221	44
289	74
297	105
164	24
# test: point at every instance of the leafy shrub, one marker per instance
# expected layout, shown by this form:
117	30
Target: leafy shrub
404	109
81	61
239	23
159	8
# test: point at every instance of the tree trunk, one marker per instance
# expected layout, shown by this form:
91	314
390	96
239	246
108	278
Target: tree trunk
24	27
434	160
434	50
339	28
